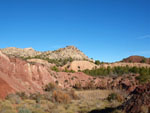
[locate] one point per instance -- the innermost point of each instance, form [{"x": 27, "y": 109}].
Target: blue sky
[{"x": 108, "y": 30}]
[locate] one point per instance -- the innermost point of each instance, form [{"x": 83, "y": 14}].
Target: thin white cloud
[{"x": 144, "y": 37}]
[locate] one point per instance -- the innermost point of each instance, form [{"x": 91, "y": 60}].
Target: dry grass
[
  {"x": 93, "y": 94},
  {"x": 65, "y": 102}
]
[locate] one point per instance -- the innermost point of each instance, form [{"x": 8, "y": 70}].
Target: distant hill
[
  {"x": 26, "y": 52},
  {"x": 69, "y": 52},
  {"x": 136, "y": 59}
]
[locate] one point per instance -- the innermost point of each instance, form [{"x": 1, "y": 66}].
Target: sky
[{"x": 107, "y": 30}]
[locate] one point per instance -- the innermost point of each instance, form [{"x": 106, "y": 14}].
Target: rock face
[
  {"x": 80, "y": 65},
  {"x": 22, "y": 76},
  {"x": 26, "y": 52},
  {"x": 5, "y": 88},
  {"x": 40, "y": 61},
  {"x": 137, "y": 59},
  {"x": 139, "y": 101},
  {"x": 123, "y": 64},
  {"x": 63, "y": 53}
]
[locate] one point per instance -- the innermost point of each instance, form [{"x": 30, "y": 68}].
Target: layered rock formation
[
  {"x": 23, "y": 76},
  {"x": 139, "y": 101}
]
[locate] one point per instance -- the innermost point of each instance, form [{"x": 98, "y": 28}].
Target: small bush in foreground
[
  {"x": 13, "y": 98},
  {"x": 22, "y": 95},
  {"x": 73, "y": 95},
  {"x": 60, "y": 97},
  {"x": 24, "y": 110},
  {"x": 115, "y": 96},
  {"x": 77, "y": 86},
  {"x": 50, "y": 87},
  {"x": 112, "y": 96}
]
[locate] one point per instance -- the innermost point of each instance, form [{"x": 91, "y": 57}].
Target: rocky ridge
[
  {"x": 65, "y": 53},
  {"x": 62, "y": 53},
  {"x": 26, "y": 52}
]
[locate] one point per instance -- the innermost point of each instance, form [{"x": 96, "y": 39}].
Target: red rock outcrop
[
  {"x": 23, "y": 76},
  {"x": 17, "y": 75},
  {"x": 139, "y": 101},
  {"x": 5, "y": 88}
]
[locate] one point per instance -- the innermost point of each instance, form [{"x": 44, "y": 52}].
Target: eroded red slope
[
  {"x": 5, "y": 88},
  {"x": 23, "y": 76}
]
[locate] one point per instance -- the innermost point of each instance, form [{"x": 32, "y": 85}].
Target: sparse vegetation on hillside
[
  {"x": 68, "y": 71},
  {"x": 59, "y": 57},
  {"x": 118, "y": 71},
  {"x": 58, "y": 62},
  {"x": 143, "y": 60}
]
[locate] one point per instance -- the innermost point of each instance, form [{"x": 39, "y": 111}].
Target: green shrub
[
  {"x": 24, "y": 110},
  {"x": 50, "y": 87},
  {"x": 143, "y": 78},
  {"x": 36, "y": 96},
  {"x": 143, "y": 60},
  {"x": 54, "y": 68},
  {"x": 97, "y": 62},
  {"x": 118, "y": 70},
  {"x": 112, "y": 96},
  {"x": 58, "y": 62},
  {"x": 13, "y": 98},
  {"x": 22, "y": 95},
  {"x": 69, "y": 71},
  {"x": 115, "y": 96},
  {"x": 37, "y": 110}
]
